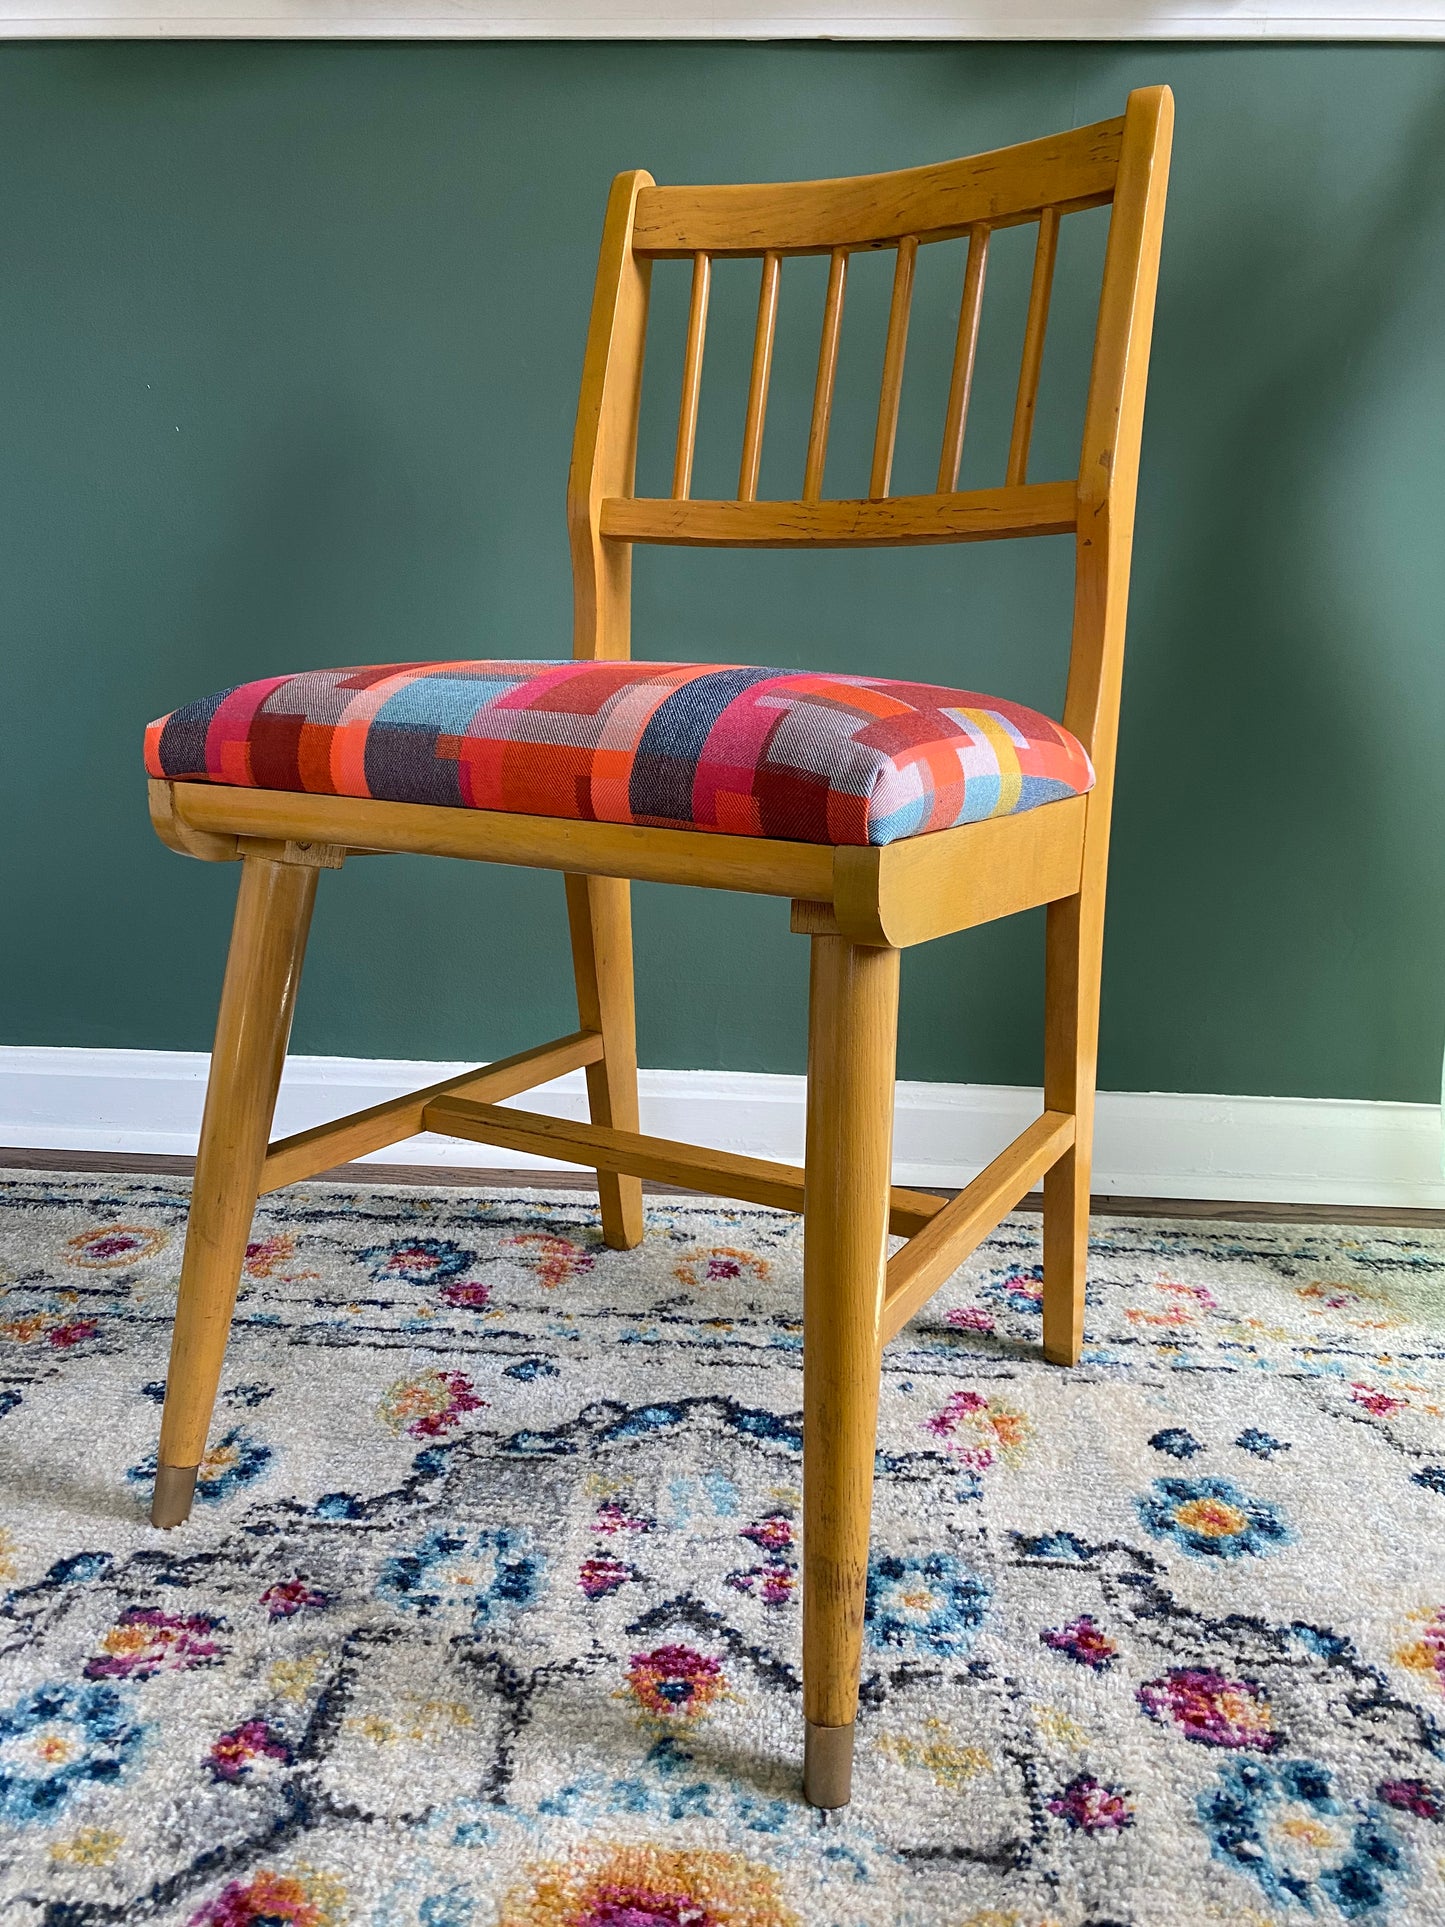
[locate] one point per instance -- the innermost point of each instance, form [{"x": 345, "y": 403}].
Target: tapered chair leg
[
  {"x": 852, "y": 1035},
  {"x": 1075, "y": 944},
  {"x": 599, "y": 912},
  {"x": 268, "y": 940}
]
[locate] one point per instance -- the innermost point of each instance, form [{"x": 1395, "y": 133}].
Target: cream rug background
[{"x": 487, "y": 1615}]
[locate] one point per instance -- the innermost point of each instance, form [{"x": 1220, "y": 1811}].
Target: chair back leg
[
  {"x": 599, "y": 913},
  {"x": 852, "y": 1037},
  {"x": 268, "y": 941},
  {"x": 1074, "y": 955}
]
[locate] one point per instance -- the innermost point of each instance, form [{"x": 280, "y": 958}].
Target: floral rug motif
[{"x": 487, "y": 1614}]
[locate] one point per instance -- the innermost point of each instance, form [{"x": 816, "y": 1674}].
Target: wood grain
[
  {"x": 1010, "y": 185},
  {"x": 599, "y": 917},
  {"x": 258, "y": 996},
  {"x": 691, "y": 377},
  {"x": 1108, "y": 481},
  {"x": 604, "y": 447},
  {"x": 852, "y": 1030},
  {"x": 693, "y": 1166},
  {"x": 917, "y": 1270},
  {"x": 697, "y": 857},
  {"x": 827, "y": 377},
  {"x": 924, "y": 887},
  {"x": 895, "y": 349},
  {"x": 965, "y": 354},
  {"x": 759, "y": 378},
  {"x": 1026, "y": 399},
  {"x": 305, "y": 1153},
  {"x": 982, "y": 515}
]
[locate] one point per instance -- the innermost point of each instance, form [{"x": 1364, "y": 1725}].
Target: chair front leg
[
  {"x": 852, "y": 1036},
  {"x": 599, "y": 912},
  {"x": 258, "y": 996}
]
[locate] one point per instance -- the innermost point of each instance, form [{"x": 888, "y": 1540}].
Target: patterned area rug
[{"x": 487, "y": 1615}]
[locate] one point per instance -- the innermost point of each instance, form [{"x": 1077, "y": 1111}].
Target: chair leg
[
  {"x": 599, "y": 911},
  {"x": 268, "y": 940},
  {"x": 1075, "y": 944},
  {"x": 852, "y": 1035}
]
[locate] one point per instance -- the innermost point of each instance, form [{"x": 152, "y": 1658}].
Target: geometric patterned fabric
[{"x": 809, "y": 757}]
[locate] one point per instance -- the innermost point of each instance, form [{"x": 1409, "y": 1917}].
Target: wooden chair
[{"x": 858, "y": 904}]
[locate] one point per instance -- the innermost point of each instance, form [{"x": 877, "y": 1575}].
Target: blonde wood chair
[{"x": 859, "y": 904}]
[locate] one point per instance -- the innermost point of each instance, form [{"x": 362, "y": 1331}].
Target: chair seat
[{"x": 794, "y": 754}]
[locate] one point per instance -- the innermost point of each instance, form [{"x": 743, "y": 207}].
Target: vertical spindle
[
  {"x": 827, "y": 376},
  {"x": 758, "y": 384},
  {"x": 691, "y": 377},
  {"x": 1033, "y": 355},
  {"x": 893, "y": 354},
  {"x": 970, "y": 314}
]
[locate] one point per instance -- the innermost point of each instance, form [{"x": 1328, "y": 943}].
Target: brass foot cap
[
  {"x": 827, "y": 1765},
  {"x": 174, "y": 1489}
]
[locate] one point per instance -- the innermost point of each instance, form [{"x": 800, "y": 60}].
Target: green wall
[{"x": 289, "y": 346}]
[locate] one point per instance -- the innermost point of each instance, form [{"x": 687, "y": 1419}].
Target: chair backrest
[{"x": 1124, "y": 162}]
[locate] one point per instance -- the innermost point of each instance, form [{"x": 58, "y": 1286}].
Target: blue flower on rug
[
  {"x": 1282, "y": 1824},
  {"x": 56, "y": 1739},
  {"x": 1213, "y": 1519},
  {"x": 1263, "y": 1445},
  {"x": 927, "y": 1602},
  {"x": 1178, "y": 1443},
  {"x": 236, "y": 1460},
  {"x": 1021, "y": 1290},
  {"x": 416, "y": 1261},
  {"x": 474, "y": 1577}
]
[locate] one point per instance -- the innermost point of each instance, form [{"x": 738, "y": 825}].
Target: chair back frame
[{"x": 1122, "y": 161}]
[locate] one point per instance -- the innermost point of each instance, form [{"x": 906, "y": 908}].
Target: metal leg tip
[
  {"x": 174, "y": 1489},
  {"x": 828, "y": 1767}
]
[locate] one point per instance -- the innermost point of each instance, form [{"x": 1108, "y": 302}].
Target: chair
[{"x": 292, "y": 775}]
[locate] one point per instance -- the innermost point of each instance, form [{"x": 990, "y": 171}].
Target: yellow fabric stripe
[{"x": 1010, "y": 776}]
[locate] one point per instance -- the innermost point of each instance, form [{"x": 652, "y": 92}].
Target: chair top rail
[{"x": 1005, "y": 188}]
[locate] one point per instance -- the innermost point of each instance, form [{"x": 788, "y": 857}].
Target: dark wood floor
[{"x": 433, "y": 1175}]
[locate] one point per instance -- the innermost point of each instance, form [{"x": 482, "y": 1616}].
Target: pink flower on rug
[
  {"x": 145, "y": 1641},
  {"x": 1413, "y": 1796},
  {"x": 265, "y": 1256},
  {"x": 675, "y": 1680},
  {"x": 232, "y": 1756},
  {"x": 971, "y": 1318},
  {"x": 429, "y": 1405},
  {"x": 773, "y": 1533},
  {"x": 1090, "y": 1807},
  {"x": 112, "y": 1245},
  {"x": 612, "y": 1517},
  {"x": 272, "y": 1899},
  {"x": 553, "y": 1259},
  {"x": 468, "y": 1295},
  {"x": 600, "y": 1575},
  {"x": 1377, "y": 1403},
  {"x": 64, "y": 1336},
  {"x": 1200, "y": 1294},
  {"x": 290, "y": 1596},
  {"x": 978, "y": 1430},
  {"x": 1216, "y": 1711},
  {"x": 773, "y": 1583},
  {"x": 1083, "y": 1641}
]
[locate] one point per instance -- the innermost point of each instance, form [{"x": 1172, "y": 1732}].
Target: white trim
[
  {"x": 727, "y": 20},
  {"x": 1278, "y": 1150}
]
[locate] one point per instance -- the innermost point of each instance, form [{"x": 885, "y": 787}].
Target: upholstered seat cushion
[{"x": 749, "y": 752}]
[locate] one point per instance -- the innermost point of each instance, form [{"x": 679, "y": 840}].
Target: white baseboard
[{"x": 1279, "y": 1150}]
